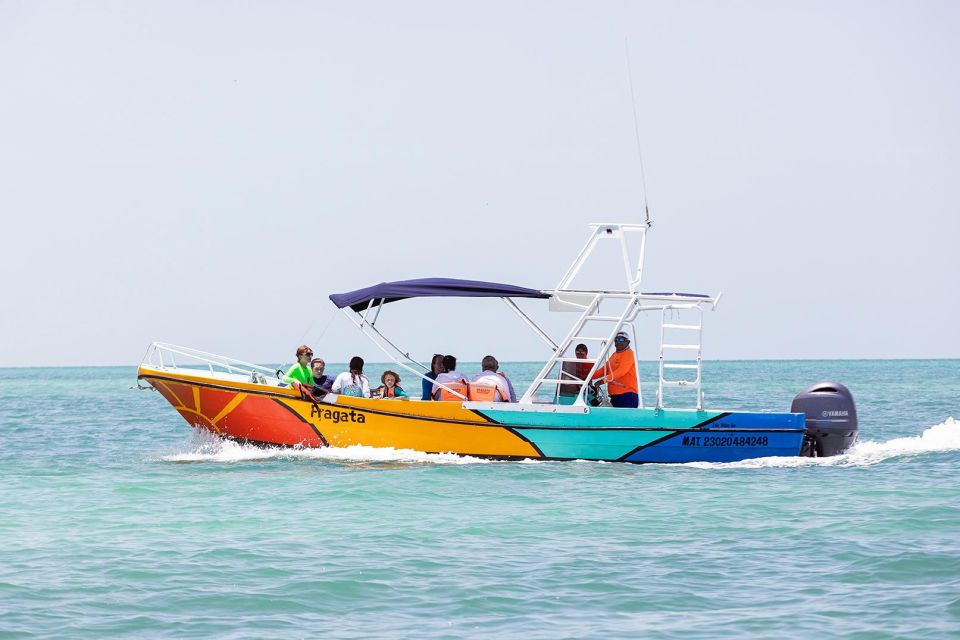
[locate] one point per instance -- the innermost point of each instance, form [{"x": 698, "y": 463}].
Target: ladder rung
[
  {"x": 570, "y": 381},
  {"x": 679, "y": 383},
  {"x": 574, "y": 360},
  {"x": 604, "y": 318},
  {"x": 604, "y": 338},
  {"x": 680, "y": 346},
  {"x": 681, "y": 366},
  {"x": 694, "y": 327}
]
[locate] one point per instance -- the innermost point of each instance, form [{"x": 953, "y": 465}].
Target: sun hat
[{"x": 622, "y": 334}]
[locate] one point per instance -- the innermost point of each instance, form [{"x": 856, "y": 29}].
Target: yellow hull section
[{"x": 274, "y": 415}]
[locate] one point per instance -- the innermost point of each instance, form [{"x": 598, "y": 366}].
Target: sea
[{"x": 117, "y": 519}]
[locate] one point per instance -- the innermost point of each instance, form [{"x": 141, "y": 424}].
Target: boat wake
[
  {"x": 941, "y": 437},
  {"x": 213, "y": 449},
  {"x": 207, "y": 448}
]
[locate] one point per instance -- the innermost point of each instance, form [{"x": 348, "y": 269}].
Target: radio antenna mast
[{"x": 636, "y": 130}]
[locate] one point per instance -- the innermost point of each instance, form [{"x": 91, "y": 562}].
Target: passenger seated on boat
[
  {"x": 436, "y": 368},
  {"x": 390, "y": 387},
  {"x": 445, "y": 395},
  {"x": 567, "y": 393},
  {"x": 491, "y": 378},
  {"x": 451, "y": 375},
  {"x": 485, "y": 393},
  {"x": 352, "y": 383},
  {"x": 321, "y": 381},
  {"x": 300, "y": 373}
]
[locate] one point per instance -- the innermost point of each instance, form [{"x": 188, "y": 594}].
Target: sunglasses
[
  {"x": 308, "y": 354},
  {"x": 619, "y": 339}
]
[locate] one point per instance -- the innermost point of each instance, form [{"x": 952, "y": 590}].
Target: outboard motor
[{"x": 831, "y": 419}]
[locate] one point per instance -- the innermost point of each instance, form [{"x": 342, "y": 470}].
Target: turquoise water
[{"x": 117, "y": 520}]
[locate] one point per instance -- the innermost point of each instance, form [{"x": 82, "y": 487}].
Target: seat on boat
[
  {"x": 445, "y": 396},
  {"x": 486, "y": 393}
]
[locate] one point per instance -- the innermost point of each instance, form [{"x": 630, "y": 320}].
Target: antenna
[{"x": 636, "y": 130}]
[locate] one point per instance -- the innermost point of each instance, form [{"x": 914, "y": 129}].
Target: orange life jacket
[
  {"x": 486, "y": 393},
  {"x": 444, "y": 395}
]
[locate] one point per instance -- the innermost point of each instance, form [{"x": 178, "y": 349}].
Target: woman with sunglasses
[{"x": 300, "y": 373}]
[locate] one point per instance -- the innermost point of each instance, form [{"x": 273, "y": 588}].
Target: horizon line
[{"x": 372, "y": 362}]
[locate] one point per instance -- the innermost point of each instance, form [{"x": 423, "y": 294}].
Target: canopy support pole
[
  {"x": 362, "y": 324},
  {"x": 533, "y": 325},
  {"x": 376, "y": 314}
]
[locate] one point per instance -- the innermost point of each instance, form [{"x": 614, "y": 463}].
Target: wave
[
  {"x": 941, "y": 437},
  {"x": 213, "y": 449}
]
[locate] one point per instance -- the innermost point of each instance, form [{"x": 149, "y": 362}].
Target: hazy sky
[{"x": 206, "y": 173}]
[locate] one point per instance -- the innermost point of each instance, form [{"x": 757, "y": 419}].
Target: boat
[{"x": 250, "y": 403}]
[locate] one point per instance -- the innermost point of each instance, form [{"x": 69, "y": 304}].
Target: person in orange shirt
[{"x": 619, "y": 373}]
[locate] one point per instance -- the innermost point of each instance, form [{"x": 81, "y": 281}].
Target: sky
[{"x": 207, "y": 173}]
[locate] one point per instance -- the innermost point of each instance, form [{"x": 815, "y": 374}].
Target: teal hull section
[
  {"x": 589, "y": 444},
  {"x": 648, "y": 435}
]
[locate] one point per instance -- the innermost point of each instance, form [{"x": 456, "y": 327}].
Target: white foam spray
[
  {"x": 213, "y": 449},
  {"x": 941, "y": 437}
]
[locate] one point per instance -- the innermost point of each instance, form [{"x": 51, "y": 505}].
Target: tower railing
[{"x": 588, "y": 304}]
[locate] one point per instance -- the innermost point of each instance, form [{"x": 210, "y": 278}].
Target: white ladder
[
  {"x": 677, "y": 348},
  {"x": 589, "y": 317}
]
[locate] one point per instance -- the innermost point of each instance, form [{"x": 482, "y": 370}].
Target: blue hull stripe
[{"x": 729, "y": 446}]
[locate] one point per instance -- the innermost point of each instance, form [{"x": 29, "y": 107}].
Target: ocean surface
[{"x": 117, "y": 519}]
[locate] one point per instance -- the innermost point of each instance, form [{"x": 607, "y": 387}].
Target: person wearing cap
[{"x": 619, "y": 373}]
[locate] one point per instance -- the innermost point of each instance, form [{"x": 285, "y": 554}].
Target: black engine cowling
[{"x": 831, "y": 419}]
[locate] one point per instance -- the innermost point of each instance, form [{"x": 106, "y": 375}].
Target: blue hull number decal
[{"x": 725, "y": 441}]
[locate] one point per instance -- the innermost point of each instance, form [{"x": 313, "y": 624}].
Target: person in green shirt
[{"x": 300, "y": 373}]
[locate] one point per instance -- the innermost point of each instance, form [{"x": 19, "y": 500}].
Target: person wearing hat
[{"x": 619, "y": 373}]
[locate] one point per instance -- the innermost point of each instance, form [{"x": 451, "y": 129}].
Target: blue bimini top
[{"x": 430, "y": 288}]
